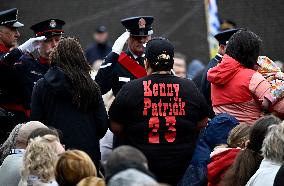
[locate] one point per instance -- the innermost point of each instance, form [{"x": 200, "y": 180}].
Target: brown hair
[
  {"x": 91, "y": 181},
  {"x": 73, "y": 166},
  {"x": 238, "y": 135},
  {"x": 69, "y": 56},
  {"x": 248, "y": 160}
]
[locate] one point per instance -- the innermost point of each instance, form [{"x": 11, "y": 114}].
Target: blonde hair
[
  {"x": 91, "y": 181},
  {"x": 238, "y": 135},
  {"x": 73, "y": 166},
  {"x": 40, "y": 158}
]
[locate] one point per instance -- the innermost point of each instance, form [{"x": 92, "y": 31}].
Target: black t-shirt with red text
[{"x": 159, "y": 114}]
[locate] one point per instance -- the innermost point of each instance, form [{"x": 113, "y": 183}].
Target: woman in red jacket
[{"x": 236, "y": 88}]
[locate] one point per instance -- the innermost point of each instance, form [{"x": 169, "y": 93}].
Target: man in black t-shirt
[{"x": 160, "y": 114}]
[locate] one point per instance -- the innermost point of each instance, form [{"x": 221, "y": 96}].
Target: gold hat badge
[{"x": 142, "y": 23}]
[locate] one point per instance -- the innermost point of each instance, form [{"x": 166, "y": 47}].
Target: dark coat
[
  {"x": 111, "y": 74},
  {"x": 52, "y": 105},
  {"x": 97, "y": 51},
  {"x": 206, "y": 85},
  {"x": 215, "y": 133},
  {"x": 11, "y": 87},
  {"x": 30, "y": 70}
]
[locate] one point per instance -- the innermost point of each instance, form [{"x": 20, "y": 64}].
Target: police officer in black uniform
[
  {"x": 32, "y": 66},
  {"x": 120, "y": 67},
  {"x": 11, "y": 99},
  {"x": 222, "y": 37}
]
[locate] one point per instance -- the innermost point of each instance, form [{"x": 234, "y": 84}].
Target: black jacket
[
  {"x": 113, "y": 75},
  {"x": 52, "y": 105},
  {"x": 30, "y": 70},
  {"x": 206, "y": 85},
  {"x": 11, "y": 87},
  {"x": 97, "y": 51}
]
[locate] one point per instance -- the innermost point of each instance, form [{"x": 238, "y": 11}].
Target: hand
[
  {"x": 31, "y": 45},
  {"x": 119, "y": 43}
]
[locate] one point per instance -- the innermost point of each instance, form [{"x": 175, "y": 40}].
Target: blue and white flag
[{"x": 213, "y": 25}]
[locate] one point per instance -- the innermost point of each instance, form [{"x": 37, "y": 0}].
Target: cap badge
[
  {"x": 164, "y": 56},
  {"x": 142, "y": 23},
  {"x": 52, "y": 24}
]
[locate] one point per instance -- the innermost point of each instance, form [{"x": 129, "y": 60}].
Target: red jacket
[
  {"x": 230, "y": 82},
  {"x": 237, "y": 90},
  {"x": 220, "y": 164}
]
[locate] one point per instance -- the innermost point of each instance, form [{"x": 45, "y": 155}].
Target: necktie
[{"x": 140, "y": 60}]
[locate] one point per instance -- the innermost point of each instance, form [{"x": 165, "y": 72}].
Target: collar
[
  {"x": 32, "y": 179},
  {"x": 218, "y": 57},
  {"x": 17, "y": 151},
  {"x": 162, "y": 72},
  {"x": 4, "y": 48},
  {"x": 134, "y": 55}
]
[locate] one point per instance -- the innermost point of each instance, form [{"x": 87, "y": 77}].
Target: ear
[
  {"x": 247, "y": 143},
  {"x": 147, "y": 67},
  {"x": 222, "y": 49}
]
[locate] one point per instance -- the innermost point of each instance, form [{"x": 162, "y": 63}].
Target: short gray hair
[{"x": 273, "y": 144}]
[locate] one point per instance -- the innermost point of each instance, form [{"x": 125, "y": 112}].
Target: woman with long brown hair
[{"x": 68, "y": 99}]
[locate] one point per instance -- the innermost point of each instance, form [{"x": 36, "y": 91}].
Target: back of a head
[
  {"x": 159, "y": 53},
  {"x": 248, "y": 160},
  {"x": 27, "y": 129},
  {"x": 91, "y": 181},
  {"x": 244, "y": 46},
  {"x": 42, "y": 132},
  {"x": 40, "y": 158},
  {"x": 69, "y": 56},
  {"x": 273, "y": 144},
  {"x": 259, "y": 131},
  {"x": 239, "y": 135},
  {"x": 19, "y": 136},
  {"x": 124, "y": 157},
  {"x": 73, "y": 166},
  {"x": 131, "y": 177}
]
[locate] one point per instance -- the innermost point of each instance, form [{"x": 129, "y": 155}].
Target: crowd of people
[{"x": 106, "y": 116}]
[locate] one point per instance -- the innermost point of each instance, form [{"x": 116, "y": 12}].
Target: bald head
[{"x": 25, "y": 131}]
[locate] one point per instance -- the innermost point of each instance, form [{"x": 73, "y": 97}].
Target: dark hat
[
  {"x": 218, "y": 129},
  {"x": 48, "y": 28},
  {"x": 101, "y": 29},
  {"x": 10, "y": 18},
  {"x": 139, "y": 26},
  {"x": 160, "y": 54},
  {"x": 224, "y": 36}
]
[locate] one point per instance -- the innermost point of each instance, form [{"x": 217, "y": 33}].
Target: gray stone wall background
[
  {"x": 181, "y": 21},
  {"x": 265, "y": 18}
]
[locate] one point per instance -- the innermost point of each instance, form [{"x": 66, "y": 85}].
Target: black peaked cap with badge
[
  {"x": 48, "y": 28},
  {"x": 139, "y": 26},
  {"x": 224, "y": 36},
  {"x": 9, "y": 18}
]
